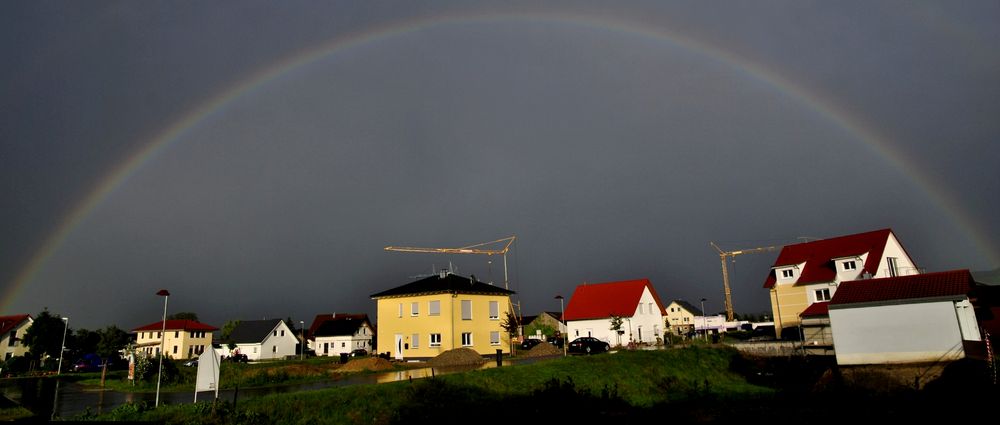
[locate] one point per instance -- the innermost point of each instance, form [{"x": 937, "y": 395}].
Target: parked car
[
  {"x": 558, "y": 341},
  {"x": 360, "y": 352},
  {"x": 529, "y": 343},
  {"x": 237, "y": 358},
  {"x": 191, "y": 363},
  {"x": 587, "y": 344},
  {"x": 89, "y": 363}
]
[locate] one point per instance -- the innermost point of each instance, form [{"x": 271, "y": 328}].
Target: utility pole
[{"x": 726, "y": 255}]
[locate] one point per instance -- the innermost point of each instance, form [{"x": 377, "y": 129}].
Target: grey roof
[
  {"x": 687, "y": 306},
  {"x": 252, "y": 331},
  {"x": 340, "y": 326},
  {"x": 450, "y": 283}
]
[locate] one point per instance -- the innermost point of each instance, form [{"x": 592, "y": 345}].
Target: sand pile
[
  {"x": 542, "y": 350},
  {"x": 457, "y": 357},
  {"x": 368, "y": 363}
]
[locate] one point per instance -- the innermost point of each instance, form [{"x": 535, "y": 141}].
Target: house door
[
  {"x": 326, "y": 348},
  {"x": 398, "y": 352}
]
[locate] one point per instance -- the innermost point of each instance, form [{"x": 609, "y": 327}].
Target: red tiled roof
[
  {"x": 175, "y": 325},
  {"x": 818, "y": 256},
  {"x": 929, "y": 285},
  {"x": 816, "y": 309},
  {"x": 601, "y": 300},
  {"x": 10, "y": 322}
]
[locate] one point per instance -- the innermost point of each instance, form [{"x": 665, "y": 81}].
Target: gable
[{"x": 253, "y": 331}]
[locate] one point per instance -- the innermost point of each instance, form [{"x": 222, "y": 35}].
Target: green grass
[
  {"x": 13, "y": 413},
  {"x": 624, "y": 380}
]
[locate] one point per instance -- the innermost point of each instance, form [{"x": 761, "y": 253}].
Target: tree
[
  {"x": 184, "y": 315},
  {"x": 112, "y": 340},
  {"x": 227, "y": 329},
  {"x": 83, "y": 342},
  {"x": 510, "y": 325},
  {"x": 44, "y": 337},
  {"x": 616, "y": 325}
]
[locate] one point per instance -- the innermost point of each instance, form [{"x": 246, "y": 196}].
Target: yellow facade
[
  {"x": 178, "y": 344},
  {"x": 787, "y": 302},
  {"x": 424, "y": 325}
]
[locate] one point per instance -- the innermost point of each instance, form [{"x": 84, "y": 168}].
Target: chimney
[
  {"x": 472, "y": 279},
  {"x": 443, "y": 273}
]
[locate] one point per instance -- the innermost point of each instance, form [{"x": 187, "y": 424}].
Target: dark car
[
  {"x": 89, "y": 363},
  {"x": 237, "y": 358},
  {"x": 360, "y": 352},
  {"x": 587, "y": 344},
  {"x": 191, "y": 363},
  {"x": 529, "y": 343}
]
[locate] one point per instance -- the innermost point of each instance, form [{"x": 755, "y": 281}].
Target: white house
[
  {"x": 904, "y": 319},
  {"x": 333, "y": 334},
  {"x": 592, "y": 305},
  {"x": 810, "y": 272},
  {"x": 263, "y": 339},
  {"x": 12, "y": 329}
]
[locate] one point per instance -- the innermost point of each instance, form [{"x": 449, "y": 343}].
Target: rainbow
[{"x": 212, "y": 106}]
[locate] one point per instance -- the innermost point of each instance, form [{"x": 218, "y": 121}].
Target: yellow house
[
  {"x": 681, "y": 317},
  {"x": 183, "y": 339},
  {"x": 808, "y": 273},
  {"x": 422, "y": 319}
]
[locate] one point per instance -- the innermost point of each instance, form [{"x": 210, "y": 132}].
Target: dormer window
[
  {"x": 850, "y": 265},
  {"x": 787, "y": 273}
]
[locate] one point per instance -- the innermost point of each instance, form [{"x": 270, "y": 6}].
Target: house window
[
  {"x": 13, "y": 339},
  {"x": 415, "y": 341},
  {"x": 400, "y": 309},
  {"x": 282, "y": 332},
  {"x": 177, "y": 334},
  {"x": 466, "y": 339},
  {"x": 577, "y": 333},
  {"x": 893, "y": 267},
  {"x": 414, "y": 309},
  {"x": 175, "y": 349},
  {"x": 435, "y": 340},
  {"x": 495, "y": 338},
  {"x": 8, "y": 356},
  {"x": 640, "y": 308},
  {"x": 850, "y": 265},
  {"x": 343, "y": 344},
  {"x": 275, "y": 332},
  {"x": 434, "y": 308},
  {"x": 650, "y": 308},
  {"x": 466, "y": 309},
  {"x": 787, "y": 273},
  {"x": 494, "y": 310},
  {"x": 823, "y": 295},
  {"x": 274, "y": 348}
]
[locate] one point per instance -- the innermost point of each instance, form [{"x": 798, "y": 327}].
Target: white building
[
  {"x": 592, "y": 305},
  {"x": 333, "y": 334},
  {"x": 263, "y": 340},
  {"x": 919, "y": 318}
]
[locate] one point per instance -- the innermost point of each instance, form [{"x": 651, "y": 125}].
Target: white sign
[{"x": 208, "y": 373}]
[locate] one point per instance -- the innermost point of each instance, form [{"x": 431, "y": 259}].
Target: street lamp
[
  {"x": 302, "y": 340},
  {"x": 562, "y": 318},
  {"x": 704, "y": 320},
  {"x": 163, "y": 334},
  {"x": 62, "y": 347}
]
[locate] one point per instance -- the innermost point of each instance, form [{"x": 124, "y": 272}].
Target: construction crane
[
  {"x": 471, "y": 249},
  {"x": 725, "y": 255},
  {"x": 475, "y": 249}
]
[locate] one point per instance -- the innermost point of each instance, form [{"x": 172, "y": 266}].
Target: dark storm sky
[{"x": 614, "y": 139}]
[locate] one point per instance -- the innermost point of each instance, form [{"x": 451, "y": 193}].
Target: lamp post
[
  {"x": 562, "y": 318},
  {"x": 62, "y": 347},
  {"x": 704, "y": 321},
  {"x": 302, "y": 340},
  {"x": 163, "y": 334}
]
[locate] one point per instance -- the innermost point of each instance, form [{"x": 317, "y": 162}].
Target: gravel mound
[
  {"x": 542, "y": 350},
  {"x": 369, "y": 363},
  {"x": 457, "y": 357}
]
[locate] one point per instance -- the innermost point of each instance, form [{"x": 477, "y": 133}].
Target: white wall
[
  {"x": 897, "y": 333},
  {"x": 904, "y": 264}
]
